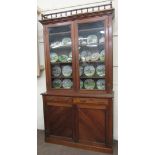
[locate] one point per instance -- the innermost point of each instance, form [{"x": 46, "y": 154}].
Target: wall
[{"x": 52, "y": 4}]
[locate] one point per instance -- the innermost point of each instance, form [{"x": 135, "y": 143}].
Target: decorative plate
[
  {"x": 83, "y": 55},
  {"x": 56, "y": 71},
  {"x": 81, "y": 84},
  {"x": 92, "y": 39},
  {"x": 95, "y": 56},
  {"x": 67, "y": 70},
  {"x": 56, "y": 44},
  {"x": 53, "y": 57},
  {"x": 89, "y": 70},
  {"x": 63, "y": 58},
  {"x": 88, "y": 57},
  {"x": 67, "y": 83},
  {"x": 100, "y": 70},
  {"x": 102, "y": 55},
  {"x": 89, "y": 84},
  {"x": 57, "y": 83},
  {"x": 82, "y": 40},
  {"x": 81, "y": 70},
  {"x": 70, "y": 57},
  {"x": 100, "y": 84},
  {"x": 102, "y": 40},
  {"x": 66, "y": 41}
]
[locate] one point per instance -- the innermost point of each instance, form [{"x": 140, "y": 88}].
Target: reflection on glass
[
  {"x": 92, "y": 55},
  {"x": 61, "y": 57}
]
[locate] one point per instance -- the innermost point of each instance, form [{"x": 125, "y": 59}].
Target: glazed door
[
  {"x": 92, "y": 54},
  {"x": 60, "y": 57}
]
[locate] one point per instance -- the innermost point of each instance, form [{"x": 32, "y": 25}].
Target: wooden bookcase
[{"x": 79, "y": 112}]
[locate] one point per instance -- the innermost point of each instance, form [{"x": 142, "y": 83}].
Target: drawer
[
  {"x": 90, "y": 100},
  {"x": 57, "y": 99}
]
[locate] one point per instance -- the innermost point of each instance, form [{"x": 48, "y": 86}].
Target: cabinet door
[
  {"x": 59, "y": 56},
  {"x": 92, "y": 54},
  {"x": 94, "y": 122},
  {"x": 59, "y": 118}
]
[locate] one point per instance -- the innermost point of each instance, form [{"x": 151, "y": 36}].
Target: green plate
[
  {"x": 102, "y": 55},
  {"x": 100, "y": 84},
  {"x": 89, "y": 70},
  {"x": 66, "y": 41},
  {"x": 57, "y": 83},
  {"x": 63, "y": 58},
  {"x": 53, "y": 57},
  {"x": 67, "y": 83},
  {"x": 100, "y": 70},
  {"x": 89, "y": 84}
]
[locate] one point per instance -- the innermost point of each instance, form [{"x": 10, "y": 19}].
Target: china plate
[
  {"x": 100, "y": 84},
  {"x": 67, "y": 70},
  {"x": 92, "y": 39},
  {"x": 53, "y": 57},
  {"x": 95, "y": 56},
  {"x": 89, "y": 84},
  {"x": 63, "y": 58},
  {"x": 102, "y": 55},
  {"x": 66, "y": 41},
  {"x": 89, "y": 70},
  {"x": 67, "y": 83},
  {"x": 100, "y": 70},
  {"x": 57, "y": 83},
  {"x": 56, "y": 71},
  {"x": 83, "y": 55}
]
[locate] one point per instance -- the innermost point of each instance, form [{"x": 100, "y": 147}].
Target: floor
[{"x": 53, "y": 149}]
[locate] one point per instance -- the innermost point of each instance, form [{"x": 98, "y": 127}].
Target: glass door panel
[
  {"x": 60, "y": 43},
  {"x": 91, "y": 55}
]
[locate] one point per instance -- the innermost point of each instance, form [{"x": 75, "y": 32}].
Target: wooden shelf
[
  {"x": 61, "y": 47},
  {"x": 94, "y": 77},
  {"x": 62, "y": 77},
  {"x": 60, "y": 33},
  {"x": 98, "y": 61},
  {"x": 55, "y": 63},
  {"x": 92, "y": 30}
]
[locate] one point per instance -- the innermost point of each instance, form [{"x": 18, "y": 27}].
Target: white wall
[{"x": 53, "y": 4}]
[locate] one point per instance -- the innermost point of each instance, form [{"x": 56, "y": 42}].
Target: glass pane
[
  {"x": 92, "y": 55},
  {"x": 61, "y": 57}
]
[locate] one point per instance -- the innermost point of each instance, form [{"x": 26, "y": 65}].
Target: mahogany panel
[
  {"x": 59, "y": 119},
  {"x": 92, "y": 125}
]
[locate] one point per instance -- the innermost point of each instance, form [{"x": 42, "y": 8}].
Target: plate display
[
  {"x": 92, "y": 39},
  {"x": 67, "y": 83},
  {"x": 57, "y": 83},
  {"x": 53, "y": 57},
  {"x": 63, "y": 58},
  {"x": 89, "y": 84},
  {"x": 81, "y": 70},
  {"x": 88, "y": 56},
  {"x": 83, "y": 55},
  {"x": 102, "y": 55},
  {"x": 81, "y": 84},
  {"x": 100, "y": 84},
  {"x": 67, "y": 70},
  {"x": 89, "y": 70},
  {"x": 95, "y": 56},
  {"x": 56, "y": 71},
  {"x": 66, "y": 41},
  {"x": 100, "y": 70}
]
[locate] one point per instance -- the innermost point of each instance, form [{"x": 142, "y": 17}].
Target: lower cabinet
[{"x": 83, "y": 122}]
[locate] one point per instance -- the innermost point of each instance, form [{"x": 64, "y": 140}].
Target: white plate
[
  {"x": 92, "y": 39},
  {"x": 67, "y": 83},
  {"x": 53, "y": 57},
  {"x": 100, "y": 70},
  {"x": 100, "y": 84},
  {"x": 67, "y": 70}
]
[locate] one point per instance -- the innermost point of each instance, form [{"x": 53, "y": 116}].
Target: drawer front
[
  {"x": 57, "y": 99},
  {"x": 90, "y": 100}
]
